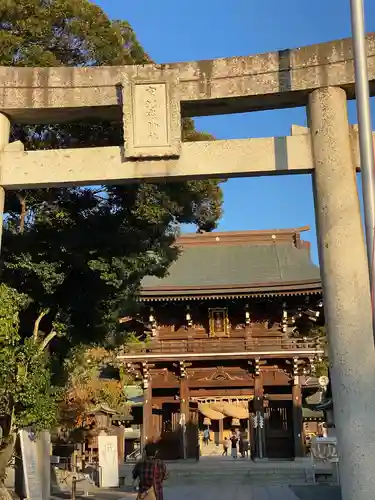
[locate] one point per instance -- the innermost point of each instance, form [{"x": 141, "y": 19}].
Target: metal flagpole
[{"x": 365, "y": 132}]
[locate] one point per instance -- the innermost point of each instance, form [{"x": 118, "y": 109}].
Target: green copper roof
[
  {"x": 134, "y": 395},
  {"x": 243, "y": 267}
]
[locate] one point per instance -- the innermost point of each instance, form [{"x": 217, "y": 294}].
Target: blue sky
[{"x": 172, "y": 31}]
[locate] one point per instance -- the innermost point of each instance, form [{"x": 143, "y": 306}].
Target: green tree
[
  {"x": 73, "y": 258},
  {"x": 319, "y": 333},
  {"x": 26, "y": 396},
  {"x": 78, "y": 252},
  {"x": 322, "y": 364}
]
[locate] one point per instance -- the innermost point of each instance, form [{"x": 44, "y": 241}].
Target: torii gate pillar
[
  {"x": 4, "y": 141},
  {"x": 346, "y": 290}
]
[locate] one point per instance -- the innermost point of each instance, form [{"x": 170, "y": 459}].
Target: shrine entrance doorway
[{"x": 278, "y": 422}]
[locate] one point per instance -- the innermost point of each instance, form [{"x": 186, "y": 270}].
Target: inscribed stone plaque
[
  {"x": 152, "y": 123},
  {"x": 108, "y": 461},
  {"x": 31, "y": 469}
]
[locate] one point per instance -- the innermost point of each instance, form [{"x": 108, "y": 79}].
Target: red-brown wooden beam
[
  {"x": 299, "y": 450},
  {"x": 184, "y": 412},
  {"x": 258, "y": 436},
  {"x": 147, "y": 427},
  {"x": 160, "y": 384},
  {"x": 201, "y": 393}
]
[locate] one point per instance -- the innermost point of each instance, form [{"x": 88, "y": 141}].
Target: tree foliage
[
  {"x": 94, "y": 378},
  {"x": 64, "y": 32},
  {"x": 322, "y": 365},
  {"x": 318, "y": 332},
  {"x": 26, "y": 396},
  {"x": 81, "y": 253}
]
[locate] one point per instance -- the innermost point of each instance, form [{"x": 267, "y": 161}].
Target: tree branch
[
  {"x": 37, "y": 323},
  {"x": 23, "y": 213},
  {"x": 47, "y": 340}
]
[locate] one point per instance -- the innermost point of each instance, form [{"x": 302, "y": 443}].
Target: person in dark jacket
[
  {"x": 151, "y": 472},
  {"x": 234, "y": 441}
]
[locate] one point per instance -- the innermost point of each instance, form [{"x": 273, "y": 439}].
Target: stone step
[
  {"x": 225, "y": 479},
  {"x": 218, "y": 476},
  {"x": 228, "y": 471},
  {"x": 227, "y": 464}
]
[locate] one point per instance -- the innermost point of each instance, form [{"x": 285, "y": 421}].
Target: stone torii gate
[{"x": 150, "y": 100}]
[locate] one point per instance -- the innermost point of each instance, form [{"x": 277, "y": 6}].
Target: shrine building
[{"x": 226, "y": 342}]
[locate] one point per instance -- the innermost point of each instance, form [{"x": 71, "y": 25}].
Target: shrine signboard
[
  {"x": 31, "y": 470},
  {"x": 108, "y": 461}
]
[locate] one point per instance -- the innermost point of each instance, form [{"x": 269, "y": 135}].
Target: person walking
[
  {"x": 225, "y": 447},
  {"x": 206, "y": 436},
  {"x": 240, "y": 445},
  {"x": 234, "y": 441},
  {"x": 151, "y": 472},
  {"x": 245, "y": 447}
]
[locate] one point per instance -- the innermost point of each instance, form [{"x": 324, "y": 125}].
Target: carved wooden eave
[
  {"x": 101, "y": 408},
  {"x": 220, "y": 374},
  {"x": 160, "y": 373},
  {"x": 125, "y": 319},
  {"x": 229, "y": 399},
  {"x": 130, "y": 319},
  {"x": 310, "y": 381},
  {"x": 226, "y": 296}
]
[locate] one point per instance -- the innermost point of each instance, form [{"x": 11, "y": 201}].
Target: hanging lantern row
[
  {"x": 295, "y": 367},
  {"x": 182, "y": 369},
  {"x": 288, "y": 322},
  {"x": 285, "y": 319},
  {"x": 247, "y": 315},
  {"x": 188, "y": 317},
  {"x": 257, "y": 368},
  {"x": 230, "y": 400},
  {"x": 151, "y": 319},
  {"x": 312, "y": 365},
  {"x": 146, "y": 375}
]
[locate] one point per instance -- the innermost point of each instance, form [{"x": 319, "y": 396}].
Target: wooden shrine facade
[{"x": 225, "y": 342}]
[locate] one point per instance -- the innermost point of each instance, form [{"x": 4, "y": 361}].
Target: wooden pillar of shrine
[
  {"x": 147, "y": 427},
  {"x": 184, "y": 413},
  {"x": 221, "y": 432},
  {"x": 258, "y": 421},
  {"x": 299, "y": 449},
  {"x": 120, "y": 433}
]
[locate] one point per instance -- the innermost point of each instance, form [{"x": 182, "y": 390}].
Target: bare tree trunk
[
  {"x": 6, "y": 453},
  {"x": 4, "y": 493},
  {"x": 23, "y": 213},
  {"x": 37, "y": 323}
]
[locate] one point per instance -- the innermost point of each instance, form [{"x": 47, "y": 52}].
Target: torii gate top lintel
[
  {"x": 150, "y": 100},
  {"x": 248, "y": 83}
]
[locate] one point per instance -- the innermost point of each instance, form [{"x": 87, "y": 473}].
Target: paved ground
[{"x": 234, "y": 492}]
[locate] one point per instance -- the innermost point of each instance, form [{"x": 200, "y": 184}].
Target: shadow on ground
[
  {"x": 308, "y": 492},
  {"x": 317, "y": 492}
]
